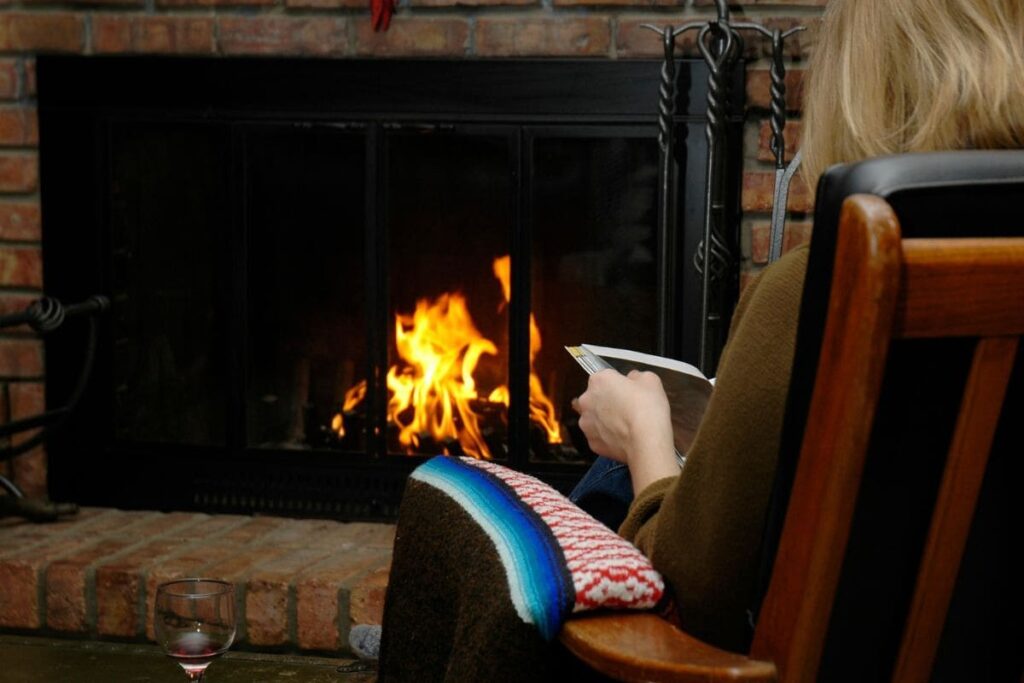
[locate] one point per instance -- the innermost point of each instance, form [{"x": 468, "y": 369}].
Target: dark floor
[{"x": 44, "y": 660}]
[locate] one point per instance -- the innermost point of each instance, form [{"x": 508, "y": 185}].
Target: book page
[{"x": 647, "y": 359}]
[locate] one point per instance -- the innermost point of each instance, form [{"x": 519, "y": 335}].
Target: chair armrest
[{"x": 641, "y": 646}]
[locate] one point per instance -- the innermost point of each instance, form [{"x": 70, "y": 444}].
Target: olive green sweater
[{"x": 703, "y": 528}]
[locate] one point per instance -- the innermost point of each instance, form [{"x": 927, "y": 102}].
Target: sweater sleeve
[{"x": 702, "y": 529}]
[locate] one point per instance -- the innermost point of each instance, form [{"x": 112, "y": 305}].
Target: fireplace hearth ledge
[{"x": 301, "y": 583}]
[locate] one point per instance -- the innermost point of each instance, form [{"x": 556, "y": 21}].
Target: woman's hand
[{"x": 626, "y": 418}]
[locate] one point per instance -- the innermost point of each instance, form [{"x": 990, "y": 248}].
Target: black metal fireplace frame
[{"x": 78, "y": 94}]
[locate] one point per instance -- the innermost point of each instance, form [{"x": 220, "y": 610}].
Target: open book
[{"x": 687, "y": 389}]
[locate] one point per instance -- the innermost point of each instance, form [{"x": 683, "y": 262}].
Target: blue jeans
[{"x": 605, "y": 492}]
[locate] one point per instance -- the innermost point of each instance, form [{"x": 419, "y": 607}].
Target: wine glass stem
[{"x": 196, "y": 676}]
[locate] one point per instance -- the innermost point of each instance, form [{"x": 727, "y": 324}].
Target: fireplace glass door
[
  {"x": 305, "y": 283},
  {"x": 449, "y": 201},
  {"x": 317, "y": 282}
]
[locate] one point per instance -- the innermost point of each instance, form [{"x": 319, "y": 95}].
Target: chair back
[
  {"x": 913, "y": 366},
  {"x": 936, "y": 194}
]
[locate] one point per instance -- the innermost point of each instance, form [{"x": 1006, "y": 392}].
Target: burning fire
[{"x": 432, "y": 390}]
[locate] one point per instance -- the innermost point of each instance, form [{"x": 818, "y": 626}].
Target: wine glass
[{"x": 194, "y": 622}]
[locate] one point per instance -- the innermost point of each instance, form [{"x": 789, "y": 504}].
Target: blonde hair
[{"x": 891, "y": 76}]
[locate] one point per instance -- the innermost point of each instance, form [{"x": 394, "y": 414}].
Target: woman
[{"x": 887, "y": 77}]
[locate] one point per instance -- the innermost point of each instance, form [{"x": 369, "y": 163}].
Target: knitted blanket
[{"x": 488, "y": 563}]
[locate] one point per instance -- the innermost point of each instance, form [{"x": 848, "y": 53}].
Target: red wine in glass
[{"x": 194, "y": 621}]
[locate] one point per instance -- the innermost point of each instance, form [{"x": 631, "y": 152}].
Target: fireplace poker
[
  {"x": 783, "y": 174},
  {"x": 667, "y": 170},
  {"x": 713, "y": 253}
]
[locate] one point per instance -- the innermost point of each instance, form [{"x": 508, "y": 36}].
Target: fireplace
[{"x": 323, "y": 272}]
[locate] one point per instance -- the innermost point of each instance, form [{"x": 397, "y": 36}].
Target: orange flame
[
  {"x": 433, "y": 391},
  {"x": 353, "y": 397},
  {"x": 542, "y": 411},
  {"x": 442, "y": 346}
]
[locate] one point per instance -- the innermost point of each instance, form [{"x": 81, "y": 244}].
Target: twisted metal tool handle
[
  {"x": 666, "y": 171},
  {"x": 778, "y": 144},
  {"x": 778, "y": 101}
]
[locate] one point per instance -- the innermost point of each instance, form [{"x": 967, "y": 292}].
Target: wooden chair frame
[{"x": 884, "y": 288}]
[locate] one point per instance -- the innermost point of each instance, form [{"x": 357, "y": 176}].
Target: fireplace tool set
[
  {"x": 720, "y": 43},
  {"x": 44, "y": 316}
]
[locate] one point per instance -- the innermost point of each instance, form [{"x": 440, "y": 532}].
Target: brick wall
[{"x": 608, "y": 29}]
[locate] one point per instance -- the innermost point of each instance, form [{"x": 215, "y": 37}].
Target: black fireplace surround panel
[{"x": 265, "y": 229}]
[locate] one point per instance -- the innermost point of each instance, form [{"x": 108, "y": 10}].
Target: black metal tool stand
[
  {"x": 720, "y": 44},
  {"x": 44, "y": 316}
]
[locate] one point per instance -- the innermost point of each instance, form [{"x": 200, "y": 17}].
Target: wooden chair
[{"x": 885, "y": 289}]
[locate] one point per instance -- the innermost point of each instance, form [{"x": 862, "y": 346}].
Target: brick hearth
[{"x": 300, "y": 584}]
